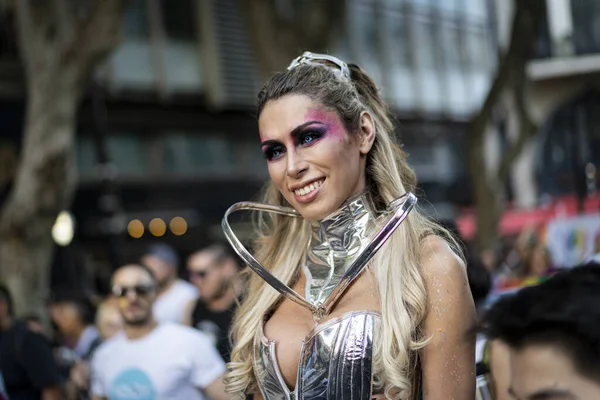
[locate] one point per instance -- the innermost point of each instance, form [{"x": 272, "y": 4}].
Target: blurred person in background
[
  {"x": 550, "y": 335},
  {"x": 595, "y": 257},
  {"x": 34, "y": 322},
  {"x": 153, "y": 360},
  {"x": 480, "y": 282},
  {"x": 214, "y": 271},
  {"x": 108, "y": 323},
  {"x": 532, "y": 267},
  {"x": 108, "y": 319},
  {"x": 27, "y": 362},
  {"x": 174, "y": 294},
  {"x": 74, "y": 315}
]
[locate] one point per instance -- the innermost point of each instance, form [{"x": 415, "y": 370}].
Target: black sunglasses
[
  {"x": 199, "y": 274},
  {"x": 139, "y": 290}
]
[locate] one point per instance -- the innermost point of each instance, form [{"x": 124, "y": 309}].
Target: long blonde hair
[{"x": 395, "y": 267}]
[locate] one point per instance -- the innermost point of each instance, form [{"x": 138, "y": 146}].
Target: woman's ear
[{"x": 367, "y": 132}]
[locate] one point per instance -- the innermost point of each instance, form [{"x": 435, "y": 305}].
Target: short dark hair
[
  {"x": 480, "y": 279},
  {"x": 561, "y": 311},
  {"x": 139, "y": 266},
  {"x": 7, "y": 298},
  {"x": 222, "y": 253},
  {"x": 82, "y": 303},
  {"x": 32, "y": 318}
]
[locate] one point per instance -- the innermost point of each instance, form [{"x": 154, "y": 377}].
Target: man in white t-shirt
[
  {"x": 152, "y": 361},
  {"x": 173, "y": 294}
]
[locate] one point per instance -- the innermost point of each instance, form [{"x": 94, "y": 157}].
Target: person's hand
[{"x": 80, "y": 375}]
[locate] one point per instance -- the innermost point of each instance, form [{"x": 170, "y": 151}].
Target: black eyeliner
[{"x": 318, "y": 133}]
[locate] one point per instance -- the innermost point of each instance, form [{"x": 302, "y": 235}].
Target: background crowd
[{"x": 56, "y": 363}]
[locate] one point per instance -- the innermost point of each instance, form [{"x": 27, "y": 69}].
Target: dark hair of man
[
  {"x": 480, "y": 280},
  {"x": 221, "y": 253},
  {"x": 561, "y": 312},
  {"x": 82, "y": 303},
  {"x": 138, "y": 266},
  {"x": 7, "y": 298}
]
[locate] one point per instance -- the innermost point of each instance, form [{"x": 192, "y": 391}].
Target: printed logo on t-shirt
[{"x": 132, "y": 384}]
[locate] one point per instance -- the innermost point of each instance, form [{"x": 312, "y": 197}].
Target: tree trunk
[
  {"x": 278, "y": 39},
  {"x": 488, "y": 188},
  {"x": 59, "y": 49},
  {"x": 45, "y": 185},
  {"x": 487, "y": 194}
]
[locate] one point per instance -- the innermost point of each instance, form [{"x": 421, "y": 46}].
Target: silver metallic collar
[
  {"x": 340, "y": 247},
  {"x": 335, "y": 243}
]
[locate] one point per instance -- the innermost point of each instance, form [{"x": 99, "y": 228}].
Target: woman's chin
[{"x": 314, "y": 211}]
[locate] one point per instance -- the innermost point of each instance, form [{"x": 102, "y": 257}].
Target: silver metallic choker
[{"x": 340, "y": 247}]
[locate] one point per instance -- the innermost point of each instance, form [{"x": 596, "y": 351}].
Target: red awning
[{"x": 513, "y": 220}]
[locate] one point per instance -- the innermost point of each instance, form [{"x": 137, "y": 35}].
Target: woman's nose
[{"x": 296, "y": 164}]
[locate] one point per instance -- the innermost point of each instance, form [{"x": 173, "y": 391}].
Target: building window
[
  {"x": 181, "y": 51},
  {"x": 569, "y": 142},
  {"x": 248, "y": 157},
  {"x": 86, "y": 156},
  {"x": 401, "y": 68},
  {"x": 586, "y": 26},
  {"x": 364, "y": 33},
  {"x": 160, "y": 50},
  {"x": 131, "y": 64},
  {"x": 128, "y": 153},
  {"x": 193, "y": 154},
  {"x": 427, "y": 63}
]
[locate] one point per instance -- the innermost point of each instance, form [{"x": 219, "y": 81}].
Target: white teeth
[{"x": 308, "y": 188}]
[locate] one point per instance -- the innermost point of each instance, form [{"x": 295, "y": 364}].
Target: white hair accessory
[{"x": 309, "y": 58}]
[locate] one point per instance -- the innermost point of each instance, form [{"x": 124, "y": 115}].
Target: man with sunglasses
[
  {"x": 214, "y": 271},
  {"x": 150, "y": 360}
]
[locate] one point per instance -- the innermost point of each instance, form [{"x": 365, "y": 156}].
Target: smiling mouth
[{"x": 309, "y": 188}]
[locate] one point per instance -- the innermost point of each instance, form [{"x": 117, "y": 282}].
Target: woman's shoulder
[
  {"x": 439, "y": 262},
  {"x": 435, "y": 251}
]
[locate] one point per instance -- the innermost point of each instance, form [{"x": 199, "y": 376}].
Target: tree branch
[
  {"x": 319, "y": 24},
  {"x": 511, "y": 75},
  {"x": 64, "y": 21},
  {"x": 28, "y": 40},
  {"x": 95, "y": 36},
  {"x": 525, "y": 26},
  {"x": 527, "y": 127},
  {"x": 278, "y": 40}
]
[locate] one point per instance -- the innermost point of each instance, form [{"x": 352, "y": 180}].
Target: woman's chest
[{"x": 290, "y": 325}]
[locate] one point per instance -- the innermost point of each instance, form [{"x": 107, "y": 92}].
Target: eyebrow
[
  {"x": 546, "y": 394},
  {"x": 294, "y": 133}
]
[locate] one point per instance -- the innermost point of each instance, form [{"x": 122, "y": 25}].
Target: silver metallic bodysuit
[{"x": 336, "y": 357}]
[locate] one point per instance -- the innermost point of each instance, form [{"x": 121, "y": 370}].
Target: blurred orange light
[
  {"x": 135, "y": 228},
  {"x": 157, "y": 227},
  {"x": 178, "y": 226}
]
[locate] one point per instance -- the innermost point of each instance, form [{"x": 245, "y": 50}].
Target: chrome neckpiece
[
  {"x": 336, "y": 357},
  {"x": 339, "y": 249}
]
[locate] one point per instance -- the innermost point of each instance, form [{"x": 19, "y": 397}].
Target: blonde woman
[{"x": 398, "y": 328}]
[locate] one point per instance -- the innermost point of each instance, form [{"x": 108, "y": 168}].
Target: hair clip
[{"x": 308, "y": 58}]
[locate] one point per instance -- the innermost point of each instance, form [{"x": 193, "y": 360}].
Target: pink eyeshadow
[{"x": 334, "y": 127}]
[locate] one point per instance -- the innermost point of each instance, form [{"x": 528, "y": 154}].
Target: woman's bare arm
[{"x": 448, "y": 360}]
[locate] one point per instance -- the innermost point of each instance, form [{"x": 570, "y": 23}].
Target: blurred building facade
[
  {"x": 565, "y": 100},
  {"x": 173, "y": 112}
]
